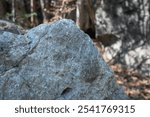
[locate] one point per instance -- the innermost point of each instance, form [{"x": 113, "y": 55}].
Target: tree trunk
[
  {"x": 42, "y": 2},
  {"x": 13, "y": 10},
  {"x": 32, "y": 10},
  {"x": 86, "y": 17}
]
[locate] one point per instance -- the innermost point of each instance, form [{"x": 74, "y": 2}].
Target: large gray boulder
[{"x": 54, "y": 61}]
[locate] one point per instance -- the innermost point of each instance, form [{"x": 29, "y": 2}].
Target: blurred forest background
[{"x": 120, "y": 29}]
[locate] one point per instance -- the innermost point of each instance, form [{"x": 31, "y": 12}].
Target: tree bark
[
  {"x": 13, "y": 10},
  {"x": 86, "y": 17},
  {"x": 42, "y": 3},
  {"x": 32, "y": 9}
]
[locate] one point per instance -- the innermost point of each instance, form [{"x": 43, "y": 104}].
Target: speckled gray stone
[{"x": 54, "y": 61}]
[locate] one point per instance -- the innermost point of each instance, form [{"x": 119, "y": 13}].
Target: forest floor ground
[{"x": 136, "y": 86}]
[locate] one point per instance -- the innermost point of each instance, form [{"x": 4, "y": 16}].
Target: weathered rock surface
[
  {"x": 54, "y": 61},
  {"x": 10, "y": 27},
  {"x": 130, "y": 21}
]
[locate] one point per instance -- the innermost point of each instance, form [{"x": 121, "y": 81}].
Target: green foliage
[{"x": 30, "y": 15}]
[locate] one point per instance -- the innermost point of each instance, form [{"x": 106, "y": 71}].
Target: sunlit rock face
[{"x": 130, "y": 21}]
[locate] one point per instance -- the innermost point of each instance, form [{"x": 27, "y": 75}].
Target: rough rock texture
[
  {"x": 10, "y": 27},
  {"x": 54, "y": 61},
  {"x": 130, "y": 20}
]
